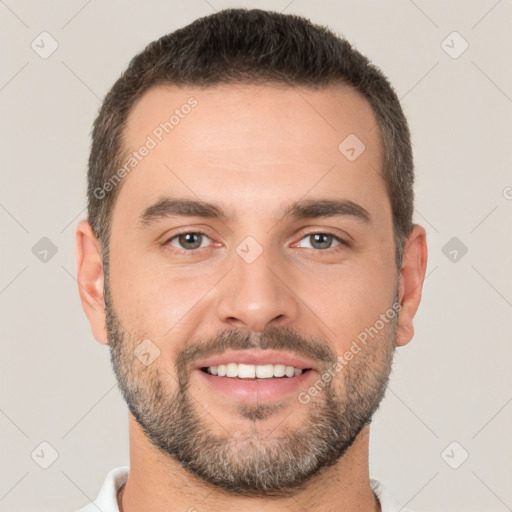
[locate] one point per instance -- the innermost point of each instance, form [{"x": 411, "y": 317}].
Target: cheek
[
  {"x": 160, "y": 301},
  {"x": 351, "y": 299}
]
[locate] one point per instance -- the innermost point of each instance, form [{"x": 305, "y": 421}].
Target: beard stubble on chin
[{"x": 249, "y": 463}]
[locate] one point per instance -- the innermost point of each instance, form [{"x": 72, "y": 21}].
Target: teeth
[
  {"x": 265, "y": 371},
  {"x": 290, "y": 371},
  {"x": 251, "y": 371},
  {"x": 246, "y": 371},
  {"x": 231, "y": 370},
  {"x": 279, "y": 370}
]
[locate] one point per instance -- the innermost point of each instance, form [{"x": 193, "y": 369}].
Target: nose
[{"x": 257, "y": 294}]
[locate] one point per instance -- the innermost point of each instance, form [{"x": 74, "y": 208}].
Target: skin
[{"x": 253, "y": 149}]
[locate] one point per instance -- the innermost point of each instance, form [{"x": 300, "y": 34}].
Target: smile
[{"x": 251, "y": 371}]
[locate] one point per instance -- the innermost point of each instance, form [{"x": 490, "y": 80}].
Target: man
[{"x": 251, "y": 261}]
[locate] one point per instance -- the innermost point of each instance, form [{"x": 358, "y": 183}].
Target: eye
[
  {"x": 322, "y": 241},
  {"x": 189, "y": 241}
]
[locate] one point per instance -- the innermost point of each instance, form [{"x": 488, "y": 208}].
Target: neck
[{"x": 159, "y": 483}]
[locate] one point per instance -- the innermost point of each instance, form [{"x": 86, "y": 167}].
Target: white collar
[{"x": 106, "y": 501}]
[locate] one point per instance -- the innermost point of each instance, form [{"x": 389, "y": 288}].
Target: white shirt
[{"x": 106, "y": 501}]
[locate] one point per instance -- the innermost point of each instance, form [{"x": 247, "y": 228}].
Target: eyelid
[
  {"x": 317, "y": 231},
  {"x": 337, "y": 233},
  {"x": 342, "y": 241},
  {"x": 168, "y": 240},
  {"x": 184, "y": 230}
]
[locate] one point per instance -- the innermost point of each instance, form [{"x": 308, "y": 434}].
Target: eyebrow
[{"x": 299, "y": 210}]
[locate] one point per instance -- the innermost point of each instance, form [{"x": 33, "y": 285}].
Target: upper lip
[{"x": 259, "y": 357}]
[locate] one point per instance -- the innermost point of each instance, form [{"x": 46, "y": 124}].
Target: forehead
[{"x": 250, "y": 145}]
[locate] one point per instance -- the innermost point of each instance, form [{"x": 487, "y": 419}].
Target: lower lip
[{"x": 263, "y": 390}]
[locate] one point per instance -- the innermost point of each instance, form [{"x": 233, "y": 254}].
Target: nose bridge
[{"x": 254, "y": 295}]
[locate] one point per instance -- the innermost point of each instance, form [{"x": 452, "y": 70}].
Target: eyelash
[{"x": 192, "y": 252}]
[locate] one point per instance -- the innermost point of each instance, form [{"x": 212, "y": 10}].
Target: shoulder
[
  {"x": 106, "y": 500},
  {"x": 387, "y": 501}
]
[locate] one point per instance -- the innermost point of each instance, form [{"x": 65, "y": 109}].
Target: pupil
[
  {"x": 188, "y": 238},
  {"x": 322, "y": 239}
]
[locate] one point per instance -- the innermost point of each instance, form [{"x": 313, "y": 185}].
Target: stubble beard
[{"x": 250, "y": 463}]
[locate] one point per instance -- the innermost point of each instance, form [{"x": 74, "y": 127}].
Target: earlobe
[
  {"x": 412, "y": 275},
  {"x": 90, "y": 279}
]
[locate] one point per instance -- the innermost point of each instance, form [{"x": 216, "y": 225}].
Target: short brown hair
[{"x": 251, "y": 46}]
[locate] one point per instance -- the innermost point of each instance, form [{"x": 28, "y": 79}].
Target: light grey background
[{"x": 451, "y": 383}]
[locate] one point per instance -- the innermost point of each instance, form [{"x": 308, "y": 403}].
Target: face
[{"x": 246, "y": 242}]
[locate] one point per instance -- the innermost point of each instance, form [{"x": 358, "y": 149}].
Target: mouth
[
  {"x": 263, "y": 376},
  {"x": 254, "y": 372}
]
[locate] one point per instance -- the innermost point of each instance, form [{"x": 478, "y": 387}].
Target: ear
[
  {"x": 412, "y": 275},
  {"x": 90, "y": 279}
]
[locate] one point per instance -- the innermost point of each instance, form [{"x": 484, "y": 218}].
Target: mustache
[{"x": 274, "y": 338}]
